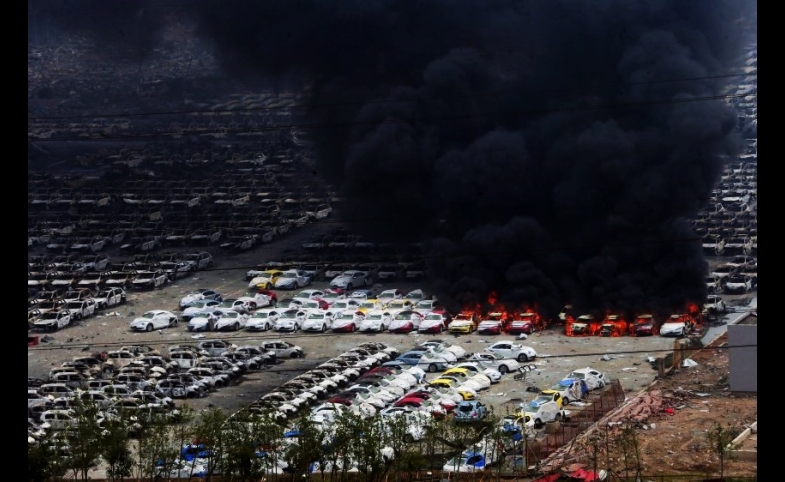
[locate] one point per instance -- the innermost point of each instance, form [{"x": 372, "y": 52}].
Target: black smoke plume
[{"x": 551, "y": 152}]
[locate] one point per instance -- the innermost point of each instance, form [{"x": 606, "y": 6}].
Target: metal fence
[{"x": 607, "y": 400}]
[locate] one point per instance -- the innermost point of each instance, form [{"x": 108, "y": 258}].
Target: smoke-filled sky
[{"x": 548, "y": 151}]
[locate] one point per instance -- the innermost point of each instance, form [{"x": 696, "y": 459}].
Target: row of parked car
[{"x": 138, "y": 379}]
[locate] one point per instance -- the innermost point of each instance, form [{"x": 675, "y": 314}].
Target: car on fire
[
  {"x": 582, "y": 325},
  {"x": 463, "y": 323},
  {"x": 613, "y": 325},
  {"x": 677, "y": 325},
  {"x": 493, "y": 324},
  {"x": 644, "y": 325},
  {"x": 524, "y": 323}
]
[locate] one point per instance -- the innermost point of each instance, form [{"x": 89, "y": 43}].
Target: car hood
[{"x": 198, "y": 321}]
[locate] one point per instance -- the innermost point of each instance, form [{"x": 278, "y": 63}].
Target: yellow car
[
  {"x": 265, "y": 280},
  {"x": 462, "y": 323},
  {"x": 399, "y": 305},
  {"x": 370, "y": 305},
  {"x": 546, "y": 396},
  {"x": 459, "y": 371}
]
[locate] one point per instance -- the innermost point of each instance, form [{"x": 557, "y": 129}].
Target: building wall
[{"x": 743, "y": 357}]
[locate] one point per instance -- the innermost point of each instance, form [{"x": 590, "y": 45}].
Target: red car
[
  {"x": 524, "y": 323},
  {"x": 644, "y": 325}
]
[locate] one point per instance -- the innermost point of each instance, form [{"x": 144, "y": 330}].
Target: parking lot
[{"x": 622, "y": 358}]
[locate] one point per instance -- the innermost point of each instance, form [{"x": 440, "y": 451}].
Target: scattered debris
[
  {"x": 606, "y": 358},
  {"x": 689, "y": 362}
]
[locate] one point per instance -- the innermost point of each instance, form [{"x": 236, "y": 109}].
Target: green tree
[
  {"x": 209, "y": 429},
  {"x": 720, "y": 438},
  {"x": 47, "y": 458},
  {"x": 157, "y": 443},
  {"x": 115, "y": 449},
  {"x": 84, "y": 438}
]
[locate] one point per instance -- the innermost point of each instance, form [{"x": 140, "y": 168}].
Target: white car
[
  {"x": 433, "y": 323},
  {"x": 348, "y": 280},
  {"x": 737, "y": 284},
  {"x": 230, "y": 320},
  {"x": 344, "y": 305},
  {"x": 198, "y": 295},
  {"x": 425, "y": 306},
  {"x": 495, "y": 361},
  {"x": 319, "y": 321},
  {"x": 305, "y": 304},
  {"x": 199, "y": 307},
  {"x": 238, "y": 305},
  {"x": 262, "y": 320},
  {"x": 376, "y": 321},
  {"x": 677, "y": 325},
  {"x": 539, "y": 414},
  {"x": 154, "y": 320},
  {"x": 388, "y": 295},
  {"x": 110, "y": 297},
  {"x": 202, "y": 321},
  {"x": 310, "y": 294},
  {"x": 474, "y": 459},
  {"x": 291, "y": 280},
  {"x": 282, "y": 349},
  {"x": 510, "y": 350},
  {"x": 594, "y": 378},
  {"x": 290, "y": 320},
  {"x": 493, "y": 375},
  {"x": 405, "y": 321},
  {"x": 348, "y": 321},
  {"x": 257, "y": 300},
  {"x": 440, "y": 345}
]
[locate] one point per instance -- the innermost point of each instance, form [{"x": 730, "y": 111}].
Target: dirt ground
[{"x": 699, "y": 394}]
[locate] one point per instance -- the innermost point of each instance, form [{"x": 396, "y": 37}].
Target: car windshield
[
  {"x": 316, "y": 316},
  {"x": 289, "y": 275},
  {"x": 229, "y": 314},
  {"x": 261, "y": 314},
  {"x": 330, "y": 295},
  {"x": 578, "y": 375},
  {"x": 346, "y": 316},
  {"x": 149, "y": 314},
  {"x": 467, "y": 408},
  {"x": 433, "y": 317},
  {"x": 374, "y": 317}
]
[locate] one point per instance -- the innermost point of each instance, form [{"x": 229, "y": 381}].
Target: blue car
[
  {"x": 189, "y": 452},
  {"x": 470, "y": 411}
]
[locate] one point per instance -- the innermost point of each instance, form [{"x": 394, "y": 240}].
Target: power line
[
  {"x": 395, "y": 121},
  {"x": 386, "y": 101}
]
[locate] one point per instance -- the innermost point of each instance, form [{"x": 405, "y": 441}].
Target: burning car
[
  {"x": 613, "y": 325},
  {"x": 524, "y": 323},
  {"x": 677, "y": 325},
  {"x": 463, "y": 323},
  {"x": 493, "y": 325},
  {"x": 644, "y": 325}
]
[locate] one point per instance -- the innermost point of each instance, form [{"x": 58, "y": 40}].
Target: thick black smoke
[{"x": 548, "y": 151}]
